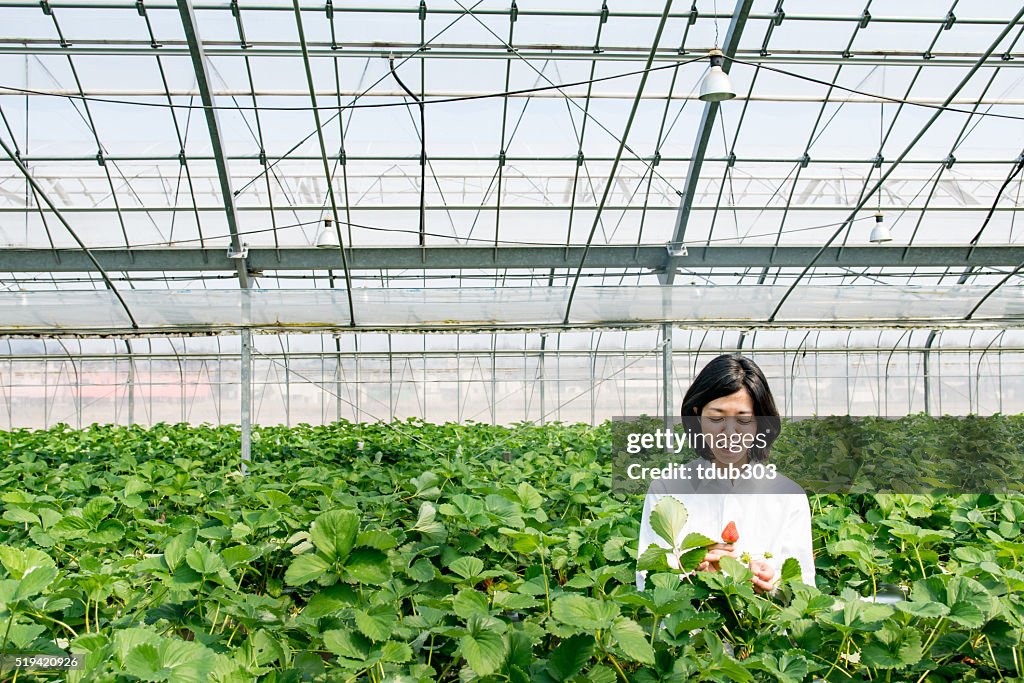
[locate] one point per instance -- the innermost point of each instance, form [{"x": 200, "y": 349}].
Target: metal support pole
[
  {"x": 593, "y": 379},
  {"x": 926, "y": 368},
  {"x": 246, "y": 385},
  {"x": 287, "y": 392},
  {"x": 667, "y": 374},
  {"x": 494, "y": 380},
  {"x": 391, "y": 382},
  {"x": 359, "y": 385},
  {"x": 337, "y": 381},
  {"x": 543, "y": 344},
  {"x": 131, "y": 387}
]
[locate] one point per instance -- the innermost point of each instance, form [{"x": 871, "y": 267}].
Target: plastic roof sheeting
[
  {"x": 439, "y": 308},
  {"x": 86, "y": 93}
]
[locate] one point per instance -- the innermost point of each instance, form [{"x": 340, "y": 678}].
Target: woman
[{"x": 730, "y": 397}]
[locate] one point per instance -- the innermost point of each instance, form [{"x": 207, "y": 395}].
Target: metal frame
[
  {"x": 997, "y": 265},
  {"x": 643, "y": 258},
  {"x": 237, "y": 253},
  {"x": 867, "y": 193},
  {"x": 704, "y": 130},
  {"x": 613, "y": 366}
]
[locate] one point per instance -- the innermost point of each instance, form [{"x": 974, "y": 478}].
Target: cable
[
  {"x": 423, "y": 152},
  {"x": 895, "y": 100},
  {"x": 457, "y": 237},
  {"x": 509, "y": 93},
  {"x": 1018, "y": 166},
  {"x": 377, "y": 105}
]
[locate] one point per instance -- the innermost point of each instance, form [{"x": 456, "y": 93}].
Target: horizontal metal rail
[
  {"x": 521, "y": 12},
  {"x": 655, "y": 258},
  {"x": 406, "y": 51}
]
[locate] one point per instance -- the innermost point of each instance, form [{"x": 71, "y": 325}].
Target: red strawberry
[{"x": 730, "y": 534}]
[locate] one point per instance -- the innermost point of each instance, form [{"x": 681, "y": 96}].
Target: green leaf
[
  {"x": 21, "y": 636},
  {"x": 144, "y": 662},
  {"x": 89, "y": 642},
  {"x": 174, "y": 553},
  {"x": 330, "y": 600},
  {"x": 467, "y": 567},
  {"x": 173, "y": 660},
  {"x": 265, "y": 648},
  {"x": 927, "y": 610},
  {"x": 632, "y": 640},
  {"x": 483, "y": 648},
  {"x": 238, "y": 554},
  {"x": 306, "y": 568},
  {"x": 605, "y": 674},
  {"x": 529, "y": 497},
  {"x": 422, "y": 570},
  {"x": 426, "y": 485},
  {"x": 737, "y": 570},
  {"x": 968, "y": 601},
  {"x": 21, "y": 515},
  {"x": 583, "y": 613},
  {"x": 334, "y": 533},
  {"x": 668, "y": 519},
  {"x": 275, "y": 499},
  {"x": 791, "y": 570},
  {"x": 70, "y": 527},
  {"x": 35, "y": 581},
  {"x": 109, "y": 531},
  {"x": 789, "y": 667},
  {"x": 892, "y": 647},
  {"x": 381, "y": 540},
  {"x": 654, "y": 559},
  {"x": 689, "y": 560},
  {"x": 203, "y": 560},
  {"x": 427, "y": 524},
  {"x": 857, "y": 615},
  {"x": 367, "y": 566},
  {"x": 695, "y": 540},
  {"x": 347, "y": 644},
  {"x": 377, "y": 622},
  {"x": 392, "y": 651},
  {"x": 98, "y": 509},
  {"x": 127, "y": 638},
  {"x": 468, "y": 603},
  {"x": 18, "y": 562},
  {"x": 568, "y": 659}
]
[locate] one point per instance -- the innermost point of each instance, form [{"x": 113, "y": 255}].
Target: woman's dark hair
[{"x": 723, "y": 376}]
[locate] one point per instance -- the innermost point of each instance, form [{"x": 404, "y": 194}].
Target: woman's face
[{"x": 725, "y": 421}]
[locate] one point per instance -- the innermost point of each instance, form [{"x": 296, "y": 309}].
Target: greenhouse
[{"x": 317, "y": 319}]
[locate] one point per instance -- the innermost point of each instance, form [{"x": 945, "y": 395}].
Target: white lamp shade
[
  {"x": 716, "y": 86},
  {"x": 327, "y": 239},
  {"x": 880, "y": 233}
]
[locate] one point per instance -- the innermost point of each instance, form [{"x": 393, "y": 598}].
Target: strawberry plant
[{"x": 422, "y": 552}]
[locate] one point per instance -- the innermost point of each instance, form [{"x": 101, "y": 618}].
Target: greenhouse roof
[{"x": 501, "y": 165}]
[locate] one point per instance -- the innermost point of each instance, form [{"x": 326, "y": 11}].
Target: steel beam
[
  {"x": 201, "y": 67},
  {"x": 622, "y": 13},
  {"x": 457, "y": 51},
  {"x": 667, "y": 376},
  {"x": 652, "y": 257},
  {"x": 707, "y": 125},
  {"x": 489, "y": 158},
  {"x": 246, "y": 399}
]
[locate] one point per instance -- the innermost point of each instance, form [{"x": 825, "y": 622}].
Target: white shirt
[{"x": 770, "y": 515}]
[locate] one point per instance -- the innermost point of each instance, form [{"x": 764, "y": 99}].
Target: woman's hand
[
  {"x": 715, "y": 553},
  {"x": 764, "y": 574}
]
